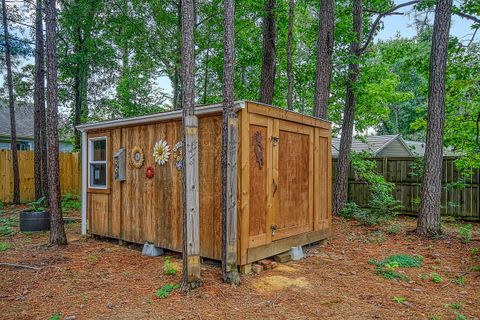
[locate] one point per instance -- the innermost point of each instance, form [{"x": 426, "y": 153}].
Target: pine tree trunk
[
  {"x": 429, "y": 213},
  {"x": 191, "y": 246},
  {"x": 229, "y": 153},
  {"x": 267, "y": 79},
  {"x": 340, "y": 188},
  {"x": 57, "y": 230},
  {"x": 11, "y": 105},
  {"x": 326, "y": 24},
  {"x": 39, "y": 105},
  {"x": 291, "y": 15}
]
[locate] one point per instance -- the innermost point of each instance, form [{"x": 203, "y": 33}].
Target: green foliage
[
  {"x": 435, "y": 277},
  {"x": 164, "y": 291},
  {"x": 37, "y": 205},
  {"x": 465, "y": 233},
  {"x": 423, "y": 276},
  {"x": 4, "y": 246},
  {"x": 475, "y": 252},
  {"x": 460, "y": 280},
  {"x": 454, "y": 305},
  {"x": 169, "y": 267},
  {"x": 388, "y": 266},
  {"x": 56, "y": 316},
  {"x": 394, "y": 229},
  {"x": 400, "y": 300},
  {"x": 71, "y": 202},
  {"x": 382, "y": 206}
]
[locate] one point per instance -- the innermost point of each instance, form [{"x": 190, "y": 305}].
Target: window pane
[
  {"x": 99, "y": 150},
  {"x": 98, "y": 175}
]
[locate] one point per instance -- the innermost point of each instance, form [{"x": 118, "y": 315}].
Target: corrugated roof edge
[{"x": 174, "y": 114}]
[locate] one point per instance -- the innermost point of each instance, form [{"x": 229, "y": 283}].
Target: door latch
[
  {"x": 274, "y": 140},
  {"x": 274, "y": 229}
]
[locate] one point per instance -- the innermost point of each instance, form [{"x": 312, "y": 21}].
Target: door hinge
[{"x": 274, "y": 140}]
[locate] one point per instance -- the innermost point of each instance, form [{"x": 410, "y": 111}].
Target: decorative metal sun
[
  {"x": 161, "y": 152},
  {"x": 137, "y": 157}
]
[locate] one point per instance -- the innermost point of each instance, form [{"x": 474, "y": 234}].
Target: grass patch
[
  {"x": 164, "y": 291},
  {"x": 71, "y": 202},
  {"x": 465, "y": 233},
  {"x": 387, "y": 267}
]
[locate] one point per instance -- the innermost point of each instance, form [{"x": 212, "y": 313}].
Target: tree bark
[
  {"x": 429, "y": 213},
  {"x": 229, "y": 152},
  {"x": 267, "y": 79},
  {"x": 11, "y": 106},
  {"x": 340, "y": 188},
  {"x": 191, "y": 246},
  {"x": 40, "y": 154},
  {"x": 57, "y": 230},
  {"x": 326, "y": 24},
  {"x": 291, "y": 15}
]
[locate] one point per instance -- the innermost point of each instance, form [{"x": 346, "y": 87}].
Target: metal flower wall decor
[
  {"x": 178, "y": 155},
  {"x": 161, "y": 152},
  {"x": 136, "y": 157}
]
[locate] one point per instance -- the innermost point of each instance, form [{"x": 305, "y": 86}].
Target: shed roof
[{"x": 375, "y": 144}]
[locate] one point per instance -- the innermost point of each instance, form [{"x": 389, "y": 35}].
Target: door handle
[
  {"x": 275, "y": 186},
  {"x": 273, "y": 227}
]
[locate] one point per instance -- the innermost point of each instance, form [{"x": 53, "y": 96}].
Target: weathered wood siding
[
  {"x": 140, "y": 209},
  {"x": 463, "y": 201},
  {"x": 69, "y": 175}
]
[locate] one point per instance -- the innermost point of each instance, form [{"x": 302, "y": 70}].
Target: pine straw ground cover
[{"x": 98, "y": 279}]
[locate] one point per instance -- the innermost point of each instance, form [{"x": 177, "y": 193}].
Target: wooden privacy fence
[
  {"x": 70, "y": 180},
  {"x": 458, "y": 202}
]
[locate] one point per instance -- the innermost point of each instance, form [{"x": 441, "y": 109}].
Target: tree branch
[
  {"x": 379, "y": 18},
  {"x": 468, "y": 16}
]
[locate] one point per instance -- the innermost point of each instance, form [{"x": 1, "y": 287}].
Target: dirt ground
[{"x": 98, "y": 279}]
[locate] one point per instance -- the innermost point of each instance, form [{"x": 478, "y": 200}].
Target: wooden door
[{"x": 292, "y": 179}]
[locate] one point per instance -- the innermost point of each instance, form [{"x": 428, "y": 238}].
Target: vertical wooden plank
[
  {"x": 191, "y": 229},
  {"x": 274, "y": 193},
  {"x": 231, "y": 205},
  {"x": 245, "y": 185}
]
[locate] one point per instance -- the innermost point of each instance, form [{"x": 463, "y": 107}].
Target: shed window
[{"x": 98, "y": 162}]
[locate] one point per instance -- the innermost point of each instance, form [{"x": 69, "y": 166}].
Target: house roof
[
  {"x": 23, "y": 121},
  {"x": 375, "y": 144}
]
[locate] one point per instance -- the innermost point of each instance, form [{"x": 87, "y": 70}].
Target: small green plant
[
  {"x": 38, "y": 205},
  {"x": 475, "y": 252},
  {"x": 459, "y": 316},
  {"x": 394, "y": 229},
  {"x": 169, "y": 267},
  {"x": 465, "y": 233},
  {"x": 71, "y": 202},
  {"x": 400, "y": 300},
  {"x": 454, "y": 305},
  {"x": 377, "y": 237},
  {"x": 388, "y": 266},
  {"x": 460, "y": 280},
  {"x": 56, "y": 316},
  {"x": 475, "y": 268},
  {"x": 6, "y": 231},
  {"x": 423, "y": 276},
  {"x": 4, "y": 246},
  {"x": 435, "y": 277},
  {"x": 164, "y": 291}
]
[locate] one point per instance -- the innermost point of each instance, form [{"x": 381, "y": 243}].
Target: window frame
[{"x": 91, "y": 140}]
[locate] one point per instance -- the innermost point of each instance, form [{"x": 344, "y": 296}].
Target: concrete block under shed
[{"x": 150, "y": 250}]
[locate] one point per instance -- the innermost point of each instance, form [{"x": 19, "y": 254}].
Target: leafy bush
[
  {"x": 381, "y": 204},
  {"x": 37, "y": 205},
  {"x": 168, "y": 267},
  {"x": 465, "y": 233},
  {"x": 71, "y": 202},
  {"x": 164, "y": 291}
]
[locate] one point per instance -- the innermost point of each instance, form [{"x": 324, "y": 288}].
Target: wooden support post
[
  {"x": 229, "y": 259},
  {"x": 191, "y": 226}
]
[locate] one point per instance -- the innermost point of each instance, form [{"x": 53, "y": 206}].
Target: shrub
[
  {"x": 164, "y": 291},
  {"x": 38, "y": 205},
  {"x": 435, "y": 277},
  {"x": 71, "y": 202},
  {"x": 382, "y": 205},
  {"x": 465, "y": 233}
]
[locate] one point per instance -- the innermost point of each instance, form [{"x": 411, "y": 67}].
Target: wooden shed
[{"x": 284, "y": 180}]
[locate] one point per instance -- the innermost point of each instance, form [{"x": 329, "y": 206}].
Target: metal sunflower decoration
[
  {"x": 178, "y": 155},
  {"x": 161, "y": 152}
]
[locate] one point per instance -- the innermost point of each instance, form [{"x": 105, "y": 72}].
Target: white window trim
[{"x": 90, "y": 161}]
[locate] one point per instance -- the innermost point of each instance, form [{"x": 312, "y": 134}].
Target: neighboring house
[
  {"x": 24, "y": 125},
  {"x": 380, "y": 146}
]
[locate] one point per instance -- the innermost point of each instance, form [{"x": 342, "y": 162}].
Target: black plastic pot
[{"x": 34, "y": 221}]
